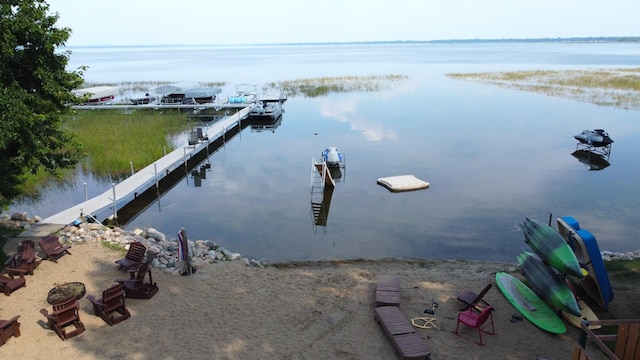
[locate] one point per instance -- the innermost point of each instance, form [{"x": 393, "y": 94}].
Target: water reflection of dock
[{"x": 149, "y": 176}]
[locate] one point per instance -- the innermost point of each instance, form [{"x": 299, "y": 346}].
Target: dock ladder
[{"x": 321, "y": 182}]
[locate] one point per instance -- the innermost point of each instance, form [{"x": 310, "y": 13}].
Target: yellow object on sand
[{"x": 424, "y": 322}]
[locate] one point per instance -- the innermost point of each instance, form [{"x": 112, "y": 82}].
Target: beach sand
[{"x": 311, "y": 310}]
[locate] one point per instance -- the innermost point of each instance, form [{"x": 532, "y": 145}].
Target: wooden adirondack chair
[
  {"x": 134, "y": 257},
  {"x": 65, "y": 314},
  {"x": 9, "y": 328},
  {"x": 25, "y": 260},
  {"x": 111, "y": 307},
  {"x": 52, "y": 248},
  {"x": 11, "y": 283},
  {"x": 471, "y": 299},
  {"x": 135, "y": 287}
]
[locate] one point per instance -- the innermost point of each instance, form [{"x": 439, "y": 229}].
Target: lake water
[{"x": 492, "y": 155}]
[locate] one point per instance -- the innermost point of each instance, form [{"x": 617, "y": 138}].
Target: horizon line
[{"x": 487, "y": 40}]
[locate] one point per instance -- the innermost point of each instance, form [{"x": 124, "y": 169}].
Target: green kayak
[
  {"x": 547, "y": 243},
  {"x": 530, "y": 305},
  {"x": 547, "y": 283}
]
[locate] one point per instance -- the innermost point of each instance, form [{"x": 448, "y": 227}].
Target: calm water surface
[{"x": 492, "y": 155}]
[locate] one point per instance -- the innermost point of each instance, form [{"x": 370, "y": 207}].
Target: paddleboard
[
  {"x": 596, "y": 284},
  {"x": 530, "y": 305},
  {"x": 587, "y": 314}
]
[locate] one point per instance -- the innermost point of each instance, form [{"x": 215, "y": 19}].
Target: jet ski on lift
[{"x": 595, "y": 138}]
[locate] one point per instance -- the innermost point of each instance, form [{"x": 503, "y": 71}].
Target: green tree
[{"x": 34, "y": 95}]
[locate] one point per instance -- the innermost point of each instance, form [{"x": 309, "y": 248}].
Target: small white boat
[
  {"x": 245, "y": 94},
  {"x": 335, "y": 161},
  {"x": 263, "y": 110},
  {"x": 143, "y": 100},
  {"x": 96, "y": 95},
  {"x": 332, "y": 156}
]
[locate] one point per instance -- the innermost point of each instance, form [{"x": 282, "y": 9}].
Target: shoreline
[
  {"x": 297, "y": 310},
  {"x": 318, "y": 309},
  {"x": 150, "y": 237}
]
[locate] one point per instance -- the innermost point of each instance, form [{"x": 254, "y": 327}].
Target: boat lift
[
  {"x": 321, "y": 187},
  {"x": 604, "y": 151}
]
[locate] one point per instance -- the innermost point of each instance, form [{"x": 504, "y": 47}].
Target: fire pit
[{"x": 63, "y": 291}]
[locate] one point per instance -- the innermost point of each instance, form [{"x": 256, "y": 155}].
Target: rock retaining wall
[{"x": 162, "y": 251}]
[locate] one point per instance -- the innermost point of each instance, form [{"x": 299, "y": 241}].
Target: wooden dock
[{"x": 146, "y": 177}]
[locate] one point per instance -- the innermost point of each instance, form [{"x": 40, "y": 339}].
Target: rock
[
  {"x": 19, "y": 216},
  {"x": 155, "y": 234}
]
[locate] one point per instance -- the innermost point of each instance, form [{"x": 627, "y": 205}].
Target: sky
[{"x": 204, "y": 22}]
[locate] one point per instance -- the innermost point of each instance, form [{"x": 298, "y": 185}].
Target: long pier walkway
[{"x": 144, "y": 178}]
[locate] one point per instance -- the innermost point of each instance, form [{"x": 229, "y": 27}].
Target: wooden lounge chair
[
  {"x": 25, "y": 260},
  {"x": 471, "y": 299},
  {"x": 11, "y": 283},
  {"x": 52, "y": 248},
  {"x": 111, "y": 307},
  {"x": 9, "y": 328},
  {"x": 476, "y": 321},
  {"x": 65, "y": 313},
  {"x": 407, "y": 342},
  {"x": 134, "y": 257},
  {"x": 388, "y": 291},
  {"x": 135, "y": 287}
]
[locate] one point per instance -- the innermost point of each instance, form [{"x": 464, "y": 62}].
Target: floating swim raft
[{"x": 402, "y": 183}]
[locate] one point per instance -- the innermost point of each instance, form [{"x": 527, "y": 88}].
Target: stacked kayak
[
  {"x": 545, "y": 282},
  {"x": 549, "y": 245}
]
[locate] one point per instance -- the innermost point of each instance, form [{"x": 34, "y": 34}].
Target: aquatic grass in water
[
  {"x": 606, "y": 87},
  {"x": 326, "y": 85},
  {"x": 112, "y": 139}
]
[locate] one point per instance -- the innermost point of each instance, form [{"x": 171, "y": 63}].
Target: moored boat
[
  {"x": 549, "y": 245},
  {"x": 266, "y": 110},
  {"x": 334, "y": 160},
  {"x": 96, "y": 95},
  {"x": 245, "y": 94},
  {"x": 202, "y": 95},
  {"x": 187, "y": 93},
  {"x": 547, "y": 283},
  {"x": 332, "y": 156},
  {"x": 143, "y": 100}
]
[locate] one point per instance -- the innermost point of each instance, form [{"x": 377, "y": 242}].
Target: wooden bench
[
  {"x": 407, "y": 342},
  {"x": 388, "y": 291}
]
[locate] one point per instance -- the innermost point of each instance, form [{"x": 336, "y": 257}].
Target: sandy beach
[{"x": 312, "y": 310}]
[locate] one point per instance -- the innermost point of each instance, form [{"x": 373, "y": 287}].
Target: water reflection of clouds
[{"x": 345, "y": 110}]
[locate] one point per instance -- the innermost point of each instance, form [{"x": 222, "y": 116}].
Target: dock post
[
  {"x": 131, "y": 165},
  {"x": 115, "y": 210},
  {"x": 184, "y": 158},
  {"x": 86, "y": 195},
  {"x": 155, "y": 172}
]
